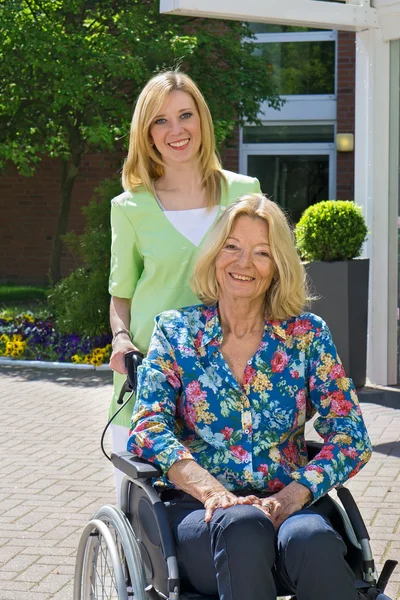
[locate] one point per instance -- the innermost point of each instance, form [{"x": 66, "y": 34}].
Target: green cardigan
[{"x": 151, "y": 262}]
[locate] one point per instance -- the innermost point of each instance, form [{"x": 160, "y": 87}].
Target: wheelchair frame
[
  {"x": 112, "y": 562},
  {"x": 113, "y": 559}
]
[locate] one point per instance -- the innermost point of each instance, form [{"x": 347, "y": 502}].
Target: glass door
[{"x": 293, "y": 179}]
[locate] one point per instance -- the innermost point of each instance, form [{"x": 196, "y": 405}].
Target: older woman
[{"x": 223, "y": 397}]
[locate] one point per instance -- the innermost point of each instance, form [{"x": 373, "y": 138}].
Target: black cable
[
  {"x": 133, "y": 359},
  {"x": 109, "y": 423}
]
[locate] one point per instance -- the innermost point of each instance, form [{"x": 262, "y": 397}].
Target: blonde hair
[
  {"x": 144, "y": 163},
  {"x": 287, "y": 295}
]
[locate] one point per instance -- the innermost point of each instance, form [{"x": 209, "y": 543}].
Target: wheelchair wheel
[{"x": 108, "y": 562}]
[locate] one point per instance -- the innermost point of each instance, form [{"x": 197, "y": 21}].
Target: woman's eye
[
  {"x": 230, "y": 247},
  {"x": 160, "y": 122},
  {"x": 264, "y": 253},
  {"x": 186, "y": 115}
]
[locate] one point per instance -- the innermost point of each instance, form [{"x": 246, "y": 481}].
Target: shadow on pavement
[
  {"x": 67, "y": 377},
  {"x": 389, "y": 397},
  {"x": 388, "y": 448}
]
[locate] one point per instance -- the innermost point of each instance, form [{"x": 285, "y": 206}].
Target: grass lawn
[{"x": 15, "y": 299}]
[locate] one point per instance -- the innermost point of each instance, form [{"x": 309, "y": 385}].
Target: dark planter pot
[{"x": 342, "y": 288}]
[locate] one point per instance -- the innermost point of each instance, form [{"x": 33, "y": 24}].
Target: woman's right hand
[
  {"x": 225, "y": 499},
  {"x": 121, "y": 346}
]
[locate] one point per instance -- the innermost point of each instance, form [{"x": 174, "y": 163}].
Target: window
[
  {"x": 292, "y": 152},
  {"x": 289, "y": 134},
  {"x": 301, "y": 61}
]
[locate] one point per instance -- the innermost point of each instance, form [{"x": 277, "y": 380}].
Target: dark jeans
[{"x": 239, "y": 556}]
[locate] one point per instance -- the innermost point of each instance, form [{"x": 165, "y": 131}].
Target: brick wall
[
  {"x": 29, "y": 209},
  {"x": 345, "y": 112},
  {"x": 230, "y": 152}
]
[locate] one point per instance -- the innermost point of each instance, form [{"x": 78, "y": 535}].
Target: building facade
[{"x": 293, "y": 152}]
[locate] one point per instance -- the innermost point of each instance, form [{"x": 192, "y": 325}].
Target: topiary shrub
[
  {"x": 80, "y": 302},
  {"x": 331, "y": 230}
]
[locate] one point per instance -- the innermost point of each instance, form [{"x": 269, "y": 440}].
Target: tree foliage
[{"x": 70, "y": 71}]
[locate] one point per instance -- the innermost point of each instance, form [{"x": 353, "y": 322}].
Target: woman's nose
[
  {"x": 176, "y": 127},
  {"x": 244, "y": 258}
]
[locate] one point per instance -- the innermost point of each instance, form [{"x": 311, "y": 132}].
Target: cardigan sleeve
[
  {"x": 347, "y": 446},
  {"x": 153, "y": 425},
  {"x": 126, "y": 260}
]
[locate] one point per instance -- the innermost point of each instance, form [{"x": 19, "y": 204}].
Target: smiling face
[
  {"x": 244, "y": 266},
  {"x": 176, "y": 129}
]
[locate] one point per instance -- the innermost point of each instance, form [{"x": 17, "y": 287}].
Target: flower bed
[{"x": 28, "y": 337}]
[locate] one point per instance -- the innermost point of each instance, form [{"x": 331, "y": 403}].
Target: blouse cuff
[
  {"x": 314, "y": 478},
  {"x": 171, "y": 455}
]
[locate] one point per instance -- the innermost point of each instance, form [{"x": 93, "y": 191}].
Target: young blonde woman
[{"x": 175, "y": 189}]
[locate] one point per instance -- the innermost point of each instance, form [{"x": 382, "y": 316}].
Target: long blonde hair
[
  {"x": 287, "y": 295},
  {"x": 144, "y": 164}
]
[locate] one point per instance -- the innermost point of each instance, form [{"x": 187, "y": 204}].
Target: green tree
[{"x": 70, "y": 71}]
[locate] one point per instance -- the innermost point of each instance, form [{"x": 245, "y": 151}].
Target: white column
[{"x": 372, "y": 192}]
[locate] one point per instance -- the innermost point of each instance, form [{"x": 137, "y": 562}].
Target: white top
[{"x": 192, "y": 223}]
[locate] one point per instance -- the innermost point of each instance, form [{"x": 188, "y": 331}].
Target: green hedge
[
  {"x": 331, "y": 230},
  {"x": 80, "y": 302}
]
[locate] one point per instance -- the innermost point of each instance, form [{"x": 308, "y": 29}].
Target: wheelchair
[{"x": 129, "y": 553}]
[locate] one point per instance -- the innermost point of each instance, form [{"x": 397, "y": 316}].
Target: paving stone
[{"x": 49, "y": 492}]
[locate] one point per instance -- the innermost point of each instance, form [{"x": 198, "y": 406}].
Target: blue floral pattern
[{"x": 190, "y": 406}]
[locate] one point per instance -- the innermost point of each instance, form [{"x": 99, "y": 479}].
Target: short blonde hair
[
  {"x": 287, "y": 295},
  {"x": 144, "y": 163}
]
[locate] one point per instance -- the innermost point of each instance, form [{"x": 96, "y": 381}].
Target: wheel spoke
[{"x": 110, "y": 542}]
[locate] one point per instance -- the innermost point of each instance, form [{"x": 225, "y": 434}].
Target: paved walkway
[{"x": 54, "y": 476}]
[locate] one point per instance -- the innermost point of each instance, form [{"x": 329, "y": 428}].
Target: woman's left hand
[{"x": 286, "y": 502}]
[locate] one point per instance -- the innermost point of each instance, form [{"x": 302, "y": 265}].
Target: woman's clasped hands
[{"x": 276, "y": 507}]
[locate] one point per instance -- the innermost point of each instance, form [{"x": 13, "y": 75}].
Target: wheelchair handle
[{"x": 133, "y": 360}]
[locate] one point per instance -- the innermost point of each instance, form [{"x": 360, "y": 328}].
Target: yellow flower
[
  {"x": 325, "y": 402},
  {"x": 28, "y": 317},
  {"x": 275, "y": 454},
  {"x": 98, "y": 351},
  {"x": 202, "y": 413},
  {"x": 248, "y": 475},
  {"x": 17, "y": 337},
  {"x": 305, "y": 340},
  {"x": 4, "y": 338},
  {"x": 365, "y": 456},
  {"x": 314, "y": 476},
  {"x": 96, "y": 360},
  {"x": 154, "y": 426},
  {"x": 343, "y": 383},
  {"x": 261, "y": 382},
  {"x": 354, "y": 396},
  {"x": 341, "y": 438}
]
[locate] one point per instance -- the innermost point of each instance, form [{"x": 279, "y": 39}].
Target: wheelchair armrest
[
  {"x": 135, "y": 467},
  {"x": 313, "y": 448},
  {"x": 353, "y": 512}
]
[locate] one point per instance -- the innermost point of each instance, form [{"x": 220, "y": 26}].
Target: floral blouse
[{"x": 250, "y": 437}]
